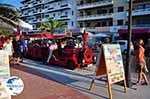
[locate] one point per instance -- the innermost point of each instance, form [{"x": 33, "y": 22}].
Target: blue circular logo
[{"x": 14, "y": 85}]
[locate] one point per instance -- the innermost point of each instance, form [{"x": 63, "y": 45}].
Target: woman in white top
[{"x": 7, "y": 46}]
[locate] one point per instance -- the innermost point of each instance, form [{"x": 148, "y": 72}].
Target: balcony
[
  {"x": 38, "y": 11},
  {"x": 140, "y": 12},
  {"x": 95, "y": 17},
  {"x": 36, "y": 3},
  {"x": 26, "y": 6},
  {"x": 138, "y": 26},
  {"x": 49, "y": 1},
  {"x": 62, "y": 7},
  {"x": 63, "y": 17},
  {"x": 95, "y": 4}
]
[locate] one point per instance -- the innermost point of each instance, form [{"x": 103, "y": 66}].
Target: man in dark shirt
[{"x": 16, "y": 46}]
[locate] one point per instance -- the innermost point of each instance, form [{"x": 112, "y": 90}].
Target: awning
[
  {"x": 99, "y": 35},
  {"x": 25, "y": 25},
  {"x": 121, "y": 31},
  {"x": 21, "y": 24},
  {"x": 40, "y": 35}
]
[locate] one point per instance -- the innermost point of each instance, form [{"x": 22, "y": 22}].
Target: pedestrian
[
  {"x": 7, "y": 46},
  {"x": 23, "y": 47},
  {"x": 107, "y": 40},
  {"x": 141, "y": 63},
  {"x": 16, "y": 46}
]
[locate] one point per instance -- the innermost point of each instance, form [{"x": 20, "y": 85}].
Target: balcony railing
[
  {"x": 141, "y": 12},
  {"x": 95, "y": 4},
  {"x": 97, "y": 16},
  {"x": 137, "y": 26},
  {"x": 58, "y": 8}
]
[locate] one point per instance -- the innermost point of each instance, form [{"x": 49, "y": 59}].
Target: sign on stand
[
  {"x": 110, "y": 63},
  {"x": 4, "y": 74}
]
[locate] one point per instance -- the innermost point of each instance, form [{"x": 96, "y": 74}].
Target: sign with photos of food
[
  {"x": 4, "y": 74},
  {"x": 114, "y": 62}
]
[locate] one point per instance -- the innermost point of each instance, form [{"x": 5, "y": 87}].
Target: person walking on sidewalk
[{"x": 141, "y": 63}]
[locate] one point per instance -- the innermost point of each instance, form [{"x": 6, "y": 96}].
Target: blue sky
[{"x": 16, "y": 3}]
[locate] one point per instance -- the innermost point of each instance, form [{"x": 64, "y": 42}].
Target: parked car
[{"x": 124, "y": 45}]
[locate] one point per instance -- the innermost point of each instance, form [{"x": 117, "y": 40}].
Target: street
[{"x": 52, "y": 82}]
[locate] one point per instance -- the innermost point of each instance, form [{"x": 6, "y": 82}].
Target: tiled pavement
[
  {"x": 77, "y": 79},
  {"x": 37, "y": 87}
]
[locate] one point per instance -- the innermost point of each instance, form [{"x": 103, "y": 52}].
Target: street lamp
[{"x": 128, "y": 56}]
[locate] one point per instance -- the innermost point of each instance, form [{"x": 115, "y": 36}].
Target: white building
[
  {"x": 105, "y": 16},
  {"x": 37, "y": 11}
]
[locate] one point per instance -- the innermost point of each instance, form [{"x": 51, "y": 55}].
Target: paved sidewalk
[
  {"x": 37, "y": 87},
  {"x": 79, "y": 80}
]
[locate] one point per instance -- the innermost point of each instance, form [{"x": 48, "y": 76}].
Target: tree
[
  {"x": 9, "y": 14},
  {"x": 51, "y": 25}
]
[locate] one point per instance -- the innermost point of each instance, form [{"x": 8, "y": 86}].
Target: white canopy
[
  {"x": 25, "y": 25},
  {"x": 99, "y": 35},
  {"x": 21, "y": 24}
]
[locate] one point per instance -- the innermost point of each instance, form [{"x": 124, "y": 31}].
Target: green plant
[{"x": 51, "y": 25}]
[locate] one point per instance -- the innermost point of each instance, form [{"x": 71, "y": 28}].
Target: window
[
  {"x": 120, "y": 22},
  {"x": 46, "y": 16},
  {"x": 81, "y": 13},
  {"x": 104, "y": 11},
  {"x": 104, "y": 23},
  {"x": 110, "y": 23},
  {"x": 72, "y": 23},
  {"x": 99, "y": 11},
  {"x": 98, "y": 24},
  {"x": 81, "y": 25},
  {"x": 120, "y": 9},
  {"x": 72, "y": 12},
  {"x": 81, "y": 2},
  {"x": 111, "y": 10},
  {"x": 66, "y": 23},
  {"x": 66, "y": 13},
  {"x": 54, "y": 14},
  {"x": 88, "y": 25},
  {"x": 88, "y": 13}
]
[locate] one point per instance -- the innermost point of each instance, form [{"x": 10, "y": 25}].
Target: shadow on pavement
[{"x": 47, "y": 75}]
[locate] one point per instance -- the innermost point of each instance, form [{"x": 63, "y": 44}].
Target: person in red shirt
[{"x": 141, "y": 63}]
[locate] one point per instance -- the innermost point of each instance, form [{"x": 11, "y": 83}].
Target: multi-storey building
[
  {"x": 94, "y": 13},
  {"x": 141, "y": 20},
  {"x": 111, "y": 15},
  {"x": 37, "y": 11}
]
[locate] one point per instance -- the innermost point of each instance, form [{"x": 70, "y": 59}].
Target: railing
[
  {"x": 95, "y": 16},
  {"x": 57, "y": 8},
  {"x": 141, "y": 11},
  {"x": 136, "y": 26},
  {"x": 95, "y": 3}
]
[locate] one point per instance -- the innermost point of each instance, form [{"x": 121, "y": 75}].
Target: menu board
[
  {"x": 110, "y": 63},
  {"x": 113, "y": 62},
  {"x": 4, "y": 74}
]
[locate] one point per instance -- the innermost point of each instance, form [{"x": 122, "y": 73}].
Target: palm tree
[
  {"x": 9, "y": 14},
  {"x": 51, "y": 25}
]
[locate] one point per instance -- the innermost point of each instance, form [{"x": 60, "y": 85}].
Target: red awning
[
  {"x": 121, "y": 31},
  {"x": 40, "y": 35}
]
